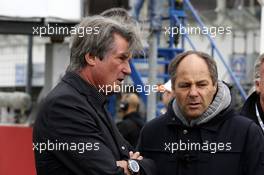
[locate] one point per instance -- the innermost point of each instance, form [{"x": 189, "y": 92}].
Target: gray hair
[
  {"x": 207, "y": 58},
  {"x": 258, "y": 62},
  {"x": 100, "y": 42},
  {"x": 121, "y": 15},
  {"x": 118, "y": 14}
]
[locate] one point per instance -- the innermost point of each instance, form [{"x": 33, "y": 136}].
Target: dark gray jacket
[
  {"x": 74, "y": 113},
  {"x": 235, "y": 145}
]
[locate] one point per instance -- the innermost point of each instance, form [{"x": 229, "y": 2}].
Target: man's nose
[
  {"x": 193, "y": 91},
  {"x": 127, "y": 68}
]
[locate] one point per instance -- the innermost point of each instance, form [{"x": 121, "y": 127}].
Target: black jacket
[
  {"x": 74, "y": 115},
  {"x": 249, "y": 109},
  {"x": 180, "y": 150},
  {"x": 130, "y": 127}
]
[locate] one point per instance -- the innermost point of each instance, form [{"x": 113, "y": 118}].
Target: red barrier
[{"x": 16, "y": 154}]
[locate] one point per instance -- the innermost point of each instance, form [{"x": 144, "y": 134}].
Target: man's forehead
[
  {"x": 193, "y": 78},
  {"x": 193, "y": 73},
  {"x": 192, "y": 63},
  {"x": 119, "y": 48}
]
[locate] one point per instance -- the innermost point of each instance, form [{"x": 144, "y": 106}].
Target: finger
[
  {"x": 118, "y": 163},
  {"x": 140, "y": 158},
  {"x": 130, "y": 154},
  {"x": 135, "y": 155}
]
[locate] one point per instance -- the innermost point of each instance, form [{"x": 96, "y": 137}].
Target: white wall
[
  {"x": 68, "y": 9},
  {"x": 13, "y": 53}
]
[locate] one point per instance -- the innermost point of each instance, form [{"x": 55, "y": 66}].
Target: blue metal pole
[{"x": 185, "y": 35}]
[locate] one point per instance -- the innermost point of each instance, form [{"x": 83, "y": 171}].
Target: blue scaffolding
[{"x": 177, "y": 17}]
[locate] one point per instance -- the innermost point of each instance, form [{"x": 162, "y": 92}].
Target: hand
[
  {"x": 135, "y": 155},
  {"x": 123, "y": 164}
]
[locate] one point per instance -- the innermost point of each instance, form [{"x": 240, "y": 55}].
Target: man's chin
[{"x": 193, "y": 115}]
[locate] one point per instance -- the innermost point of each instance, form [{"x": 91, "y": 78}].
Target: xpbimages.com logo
[
  {"x": 80, "y": 147},
  {"x": 62, "y": 30},
  {"x": 192, "y": 146},
  {"x": 127, "y": 88},
  {"x": 196, "y": 30}
]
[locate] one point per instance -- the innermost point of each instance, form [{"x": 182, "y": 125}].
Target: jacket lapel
[{"x": 119, "y": 145}]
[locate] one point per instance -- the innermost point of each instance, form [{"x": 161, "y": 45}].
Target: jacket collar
[
  {"x": 248, "y": 108},
  {"x": 83, "y": 87}
]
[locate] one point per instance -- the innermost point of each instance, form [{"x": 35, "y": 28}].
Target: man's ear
[
  {"x": 90, "y": 59},
  {"x": 257, "y": 84}
]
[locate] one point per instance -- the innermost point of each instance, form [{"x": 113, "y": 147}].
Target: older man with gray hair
[
  {"x": 254, "y": 105},
  {"x": 74, "y": 133}
]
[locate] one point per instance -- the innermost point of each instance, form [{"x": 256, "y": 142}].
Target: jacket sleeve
[
  {"x": 147, "y": 164},
  {"x": 148, "y": 167},
  {"x": 254, "y": 151},
  {"x": 72, "y": 124}
]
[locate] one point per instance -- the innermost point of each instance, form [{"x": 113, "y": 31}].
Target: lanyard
[{"x": 259, "y": 119}]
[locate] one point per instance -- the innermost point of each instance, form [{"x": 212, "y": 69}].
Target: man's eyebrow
[
  {"x": 184, "y": 82},
  {"x": 125, "y": 54},
  {"x": 202, "y": 81}
]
